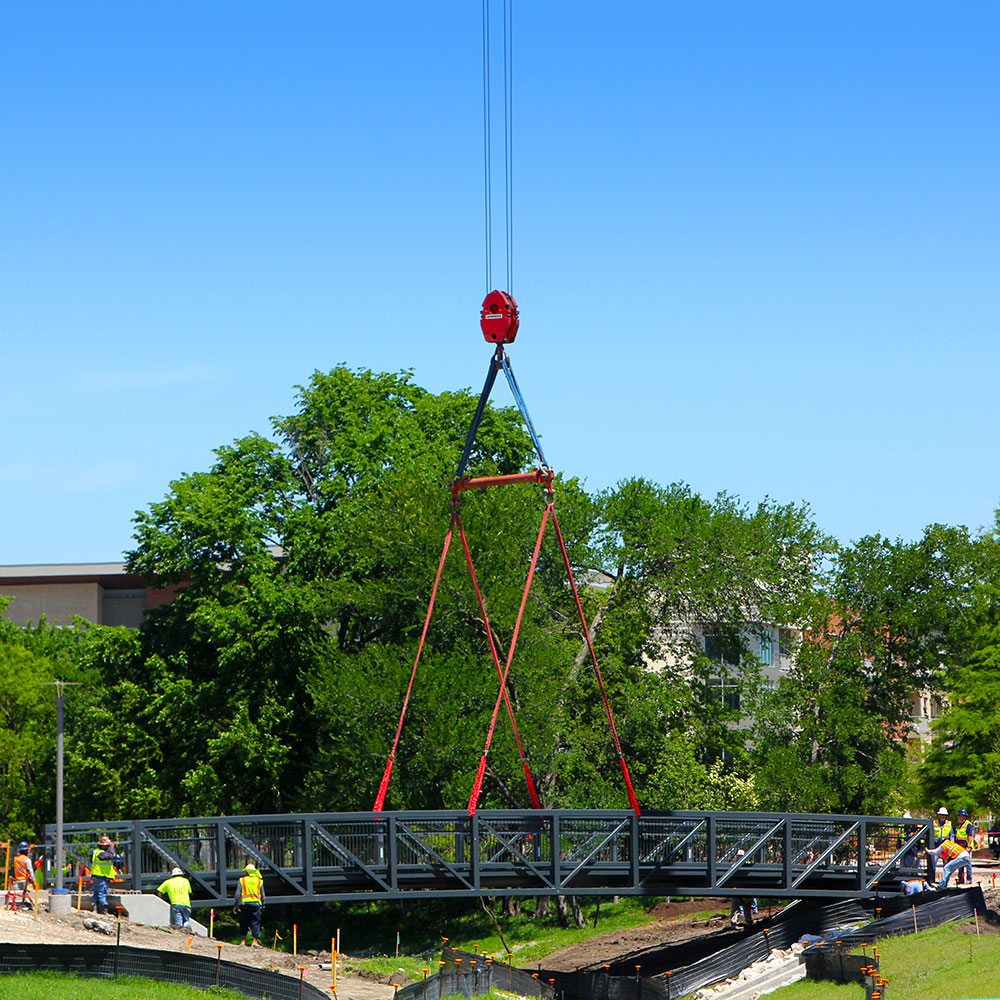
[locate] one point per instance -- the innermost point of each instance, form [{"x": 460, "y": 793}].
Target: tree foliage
[{"x": 302, "y": 564}]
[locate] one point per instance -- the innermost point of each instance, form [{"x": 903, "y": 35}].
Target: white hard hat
[
  {"x": 942, "y": 811},
  {"x": 176, "y": 871}
]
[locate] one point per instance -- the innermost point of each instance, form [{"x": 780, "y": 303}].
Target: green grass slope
[
  {"x": 51, "y": 985},
  {"x": 945, "y": 963}
]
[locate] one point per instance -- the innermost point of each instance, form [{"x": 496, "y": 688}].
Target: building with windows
[{"x": 101, "y": 593}]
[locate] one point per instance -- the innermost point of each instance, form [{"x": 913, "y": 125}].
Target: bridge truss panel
[{"x": 329, "y": 856}]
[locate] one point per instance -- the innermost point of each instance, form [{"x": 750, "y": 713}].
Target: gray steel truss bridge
[{"x": 309, "y": 857}]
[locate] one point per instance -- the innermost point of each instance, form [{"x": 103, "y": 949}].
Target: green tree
[
  {"x": 834, "y": 736},
  {"x": 962, "y": 767},
  {"x": 293, "y": 558},
  {"x": 680, "y": 567}
]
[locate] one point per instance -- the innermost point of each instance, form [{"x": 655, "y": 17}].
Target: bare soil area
[
  {"x": 24, "y": 928},
  {"x": 672, "y": 924}
]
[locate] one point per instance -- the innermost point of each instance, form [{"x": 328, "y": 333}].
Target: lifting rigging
[{"x": 499, "y": 322}]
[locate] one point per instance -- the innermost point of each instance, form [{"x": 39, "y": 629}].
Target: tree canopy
[{"x": 303, "y": 562}]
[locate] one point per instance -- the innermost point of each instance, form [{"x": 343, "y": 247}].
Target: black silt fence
[
  {"x": 94, "y": 961},
  {"x": 836, "y": 966},
  {"x": 473, "y": 980}
]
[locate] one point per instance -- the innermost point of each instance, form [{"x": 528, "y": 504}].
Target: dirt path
[
  {"x": 23, "y": 928},
  {"x": 672, "y": 923}
]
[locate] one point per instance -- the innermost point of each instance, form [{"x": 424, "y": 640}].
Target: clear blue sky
[{"x": 756, "y": 243}]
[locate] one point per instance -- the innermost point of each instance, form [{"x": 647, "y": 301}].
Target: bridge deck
[{"x": 351, "y": 856}]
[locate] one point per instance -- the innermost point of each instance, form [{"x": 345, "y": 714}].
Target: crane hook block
[{"x": 499, "y": 319}]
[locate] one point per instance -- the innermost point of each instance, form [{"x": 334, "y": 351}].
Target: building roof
[{"x": 111, "y": 576}]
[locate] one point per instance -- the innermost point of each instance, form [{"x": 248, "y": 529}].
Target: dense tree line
[{"x": 303, "y": 563}]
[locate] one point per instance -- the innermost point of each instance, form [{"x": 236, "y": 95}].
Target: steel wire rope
[
  {"x": 487, "y": 151},
  {"x": 508, "y": 149}
]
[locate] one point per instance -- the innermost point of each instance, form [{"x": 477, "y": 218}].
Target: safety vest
[
  {"x": 950, "y": 850},
  {"x": 102, "y": 869},
  {"x": 22, "y": 869},
  {"x": 251, "y": 889},
  {"x": 942, "y": 831},
  {"x": 178, "y": 890},
  {"x": 963, "y": 833}
]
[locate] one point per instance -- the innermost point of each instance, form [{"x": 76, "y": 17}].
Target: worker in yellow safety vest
[
  {"x": 102, "y": 871},
  {"x": 964, "y": 833},
  {"x": 177, "y": 891},
  {"x": 250, "y": 903},
  {"x": 942, "y": 826}
]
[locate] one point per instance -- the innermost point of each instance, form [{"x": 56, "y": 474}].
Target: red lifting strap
[
  {"x": 384, "y": 786},
  {"x": 597, "y": 669},
  {"x": 503, "y": 693},
  {"x": 503, "y": 687}
]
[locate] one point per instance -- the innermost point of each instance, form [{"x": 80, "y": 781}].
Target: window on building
[
  {"x": 722, "y": 649},
  {"x": 766, "y": 649},
  {"x": 784, "y": 642},
  {"x": 725, "y": 690}
]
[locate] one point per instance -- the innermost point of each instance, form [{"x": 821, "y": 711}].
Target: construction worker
[
  {"x": 102, "y": 870},
  {"x": 942, "y": 831},
  {"x": 250, "y": 903},
  {"x": 965, "y": 831},
  {"x": 953, "y": 857},
  {"x": 914, "y": 886},
  {"x": 177, "y": 891},
  {"x": 942, "y": 826},
  {"x": 24, "y": 874}
]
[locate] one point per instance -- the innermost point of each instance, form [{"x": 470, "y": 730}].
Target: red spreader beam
[{"x": 542, "y": 476}]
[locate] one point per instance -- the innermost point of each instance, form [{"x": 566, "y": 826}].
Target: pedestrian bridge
[{"x": 307, "y": 857}]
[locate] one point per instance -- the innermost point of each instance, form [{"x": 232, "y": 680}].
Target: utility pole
[{"x": 59, "y": 685}]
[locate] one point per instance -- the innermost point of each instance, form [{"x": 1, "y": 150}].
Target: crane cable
[{"x": 508, "y": 158}]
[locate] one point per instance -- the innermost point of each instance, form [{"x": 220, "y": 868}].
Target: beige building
[{"x": 102, "y": 593}]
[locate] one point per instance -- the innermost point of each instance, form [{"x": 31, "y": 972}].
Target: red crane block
[{"x": 498, "y": 318}]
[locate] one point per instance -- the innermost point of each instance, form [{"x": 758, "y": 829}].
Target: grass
[
  {"x": 938, "y": 964},
  {"x": 530, "y": 940},
  {"x": 46, "y": 985}
]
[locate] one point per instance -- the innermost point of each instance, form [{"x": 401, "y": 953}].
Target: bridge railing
[{"x": 317, "y": 856}]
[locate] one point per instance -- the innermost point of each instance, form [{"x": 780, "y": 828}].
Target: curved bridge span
[{"x": 307, "y": 857}]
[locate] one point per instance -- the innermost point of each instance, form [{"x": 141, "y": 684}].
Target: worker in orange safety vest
[
  {"x": 24, "y": 873},
  {"x": 952, "y": 855}
]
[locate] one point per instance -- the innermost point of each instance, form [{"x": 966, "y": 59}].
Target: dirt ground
[
  {"x": 673, "y": 923},
  {"x": 23, "y": 928}
]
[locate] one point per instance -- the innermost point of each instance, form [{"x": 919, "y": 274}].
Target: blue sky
[{"x": 755, "y": 244}]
